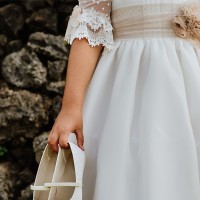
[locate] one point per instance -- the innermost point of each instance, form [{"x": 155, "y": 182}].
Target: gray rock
[
  {"x": 56, "y": 69},
  {"x": 29, "y": 99},
  {"x": 11, "y": 19},
  {"x": 3, "y": 42},
  {"x": 1, "y": 54},
  {"x": 50, "y": 2},
  {"x": 57, "y": 87},
  {"x": 56, "y": 106},
  {"x": 9, "y": 180},
  {"x": 27, "y": 175},
  {"x": 48, "y": 45},
  {"x": 43, "y": 20},
  {"x": 23, "y": 154},
  {"x": 68, "y": 1},
  {"x": 39, "y": 144},
  {"x": 23, "y": 69},
  {"x": 22, "y": 114},
  {"x": 18, "y": 143},
  {"x": 26, "y": 194},
  {"x": 14, "y": 45},
  {"x": 35, "y": 4},
  {"x": 64, "y": 11},
  {"x": 65, "y": 8}
]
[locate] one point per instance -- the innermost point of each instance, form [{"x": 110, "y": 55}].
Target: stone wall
[{"x": 33, "y": 64}]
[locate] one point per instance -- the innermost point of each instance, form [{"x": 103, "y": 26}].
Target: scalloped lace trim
[{"x": 90, "y": 24}]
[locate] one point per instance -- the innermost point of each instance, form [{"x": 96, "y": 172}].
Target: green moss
[{"x": 3, "y": 151}]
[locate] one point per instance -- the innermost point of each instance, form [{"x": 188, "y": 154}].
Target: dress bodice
[{"x": 95, "y": 20}]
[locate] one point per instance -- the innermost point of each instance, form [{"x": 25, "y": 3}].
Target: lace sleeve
[{"x": 91, "y": 19}]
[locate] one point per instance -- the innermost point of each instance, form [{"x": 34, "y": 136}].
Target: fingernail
[{"x": 83, "y": 148}]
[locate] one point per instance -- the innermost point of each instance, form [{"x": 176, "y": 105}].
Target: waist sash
[{"x": 143, "y": 21}]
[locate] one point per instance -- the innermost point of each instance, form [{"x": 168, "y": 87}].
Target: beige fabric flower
[{"x": 187, "y": 25}]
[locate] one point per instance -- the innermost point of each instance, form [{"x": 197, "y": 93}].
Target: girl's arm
[
  {"x": 82, "y": 61},
  {"x": 89, "y": 29}
]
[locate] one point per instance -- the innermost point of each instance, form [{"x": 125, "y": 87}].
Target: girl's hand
[{"x": 68, "y": 121}]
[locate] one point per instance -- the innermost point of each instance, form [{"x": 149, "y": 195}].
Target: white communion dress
[{"x": 141, "y": 114}]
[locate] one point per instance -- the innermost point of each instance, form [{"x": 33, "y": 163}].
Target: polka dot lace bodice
[{"x": 91, "y": 19}]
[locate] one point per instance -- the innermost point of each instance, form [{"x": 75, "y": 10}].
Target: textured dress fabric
[{"x": 141, "y": 114}]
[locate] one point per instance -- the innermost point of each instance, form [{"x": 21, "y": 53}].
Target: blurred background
[{"x": 33, "y": 64}]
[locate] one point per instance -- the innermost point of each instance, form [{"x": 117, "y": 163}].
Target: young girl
[{"x": 132, "y": 98}]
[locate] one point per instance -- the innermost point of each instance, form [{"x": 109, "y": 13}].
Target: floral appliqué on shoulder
[{"x": 187, "y": 24}]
